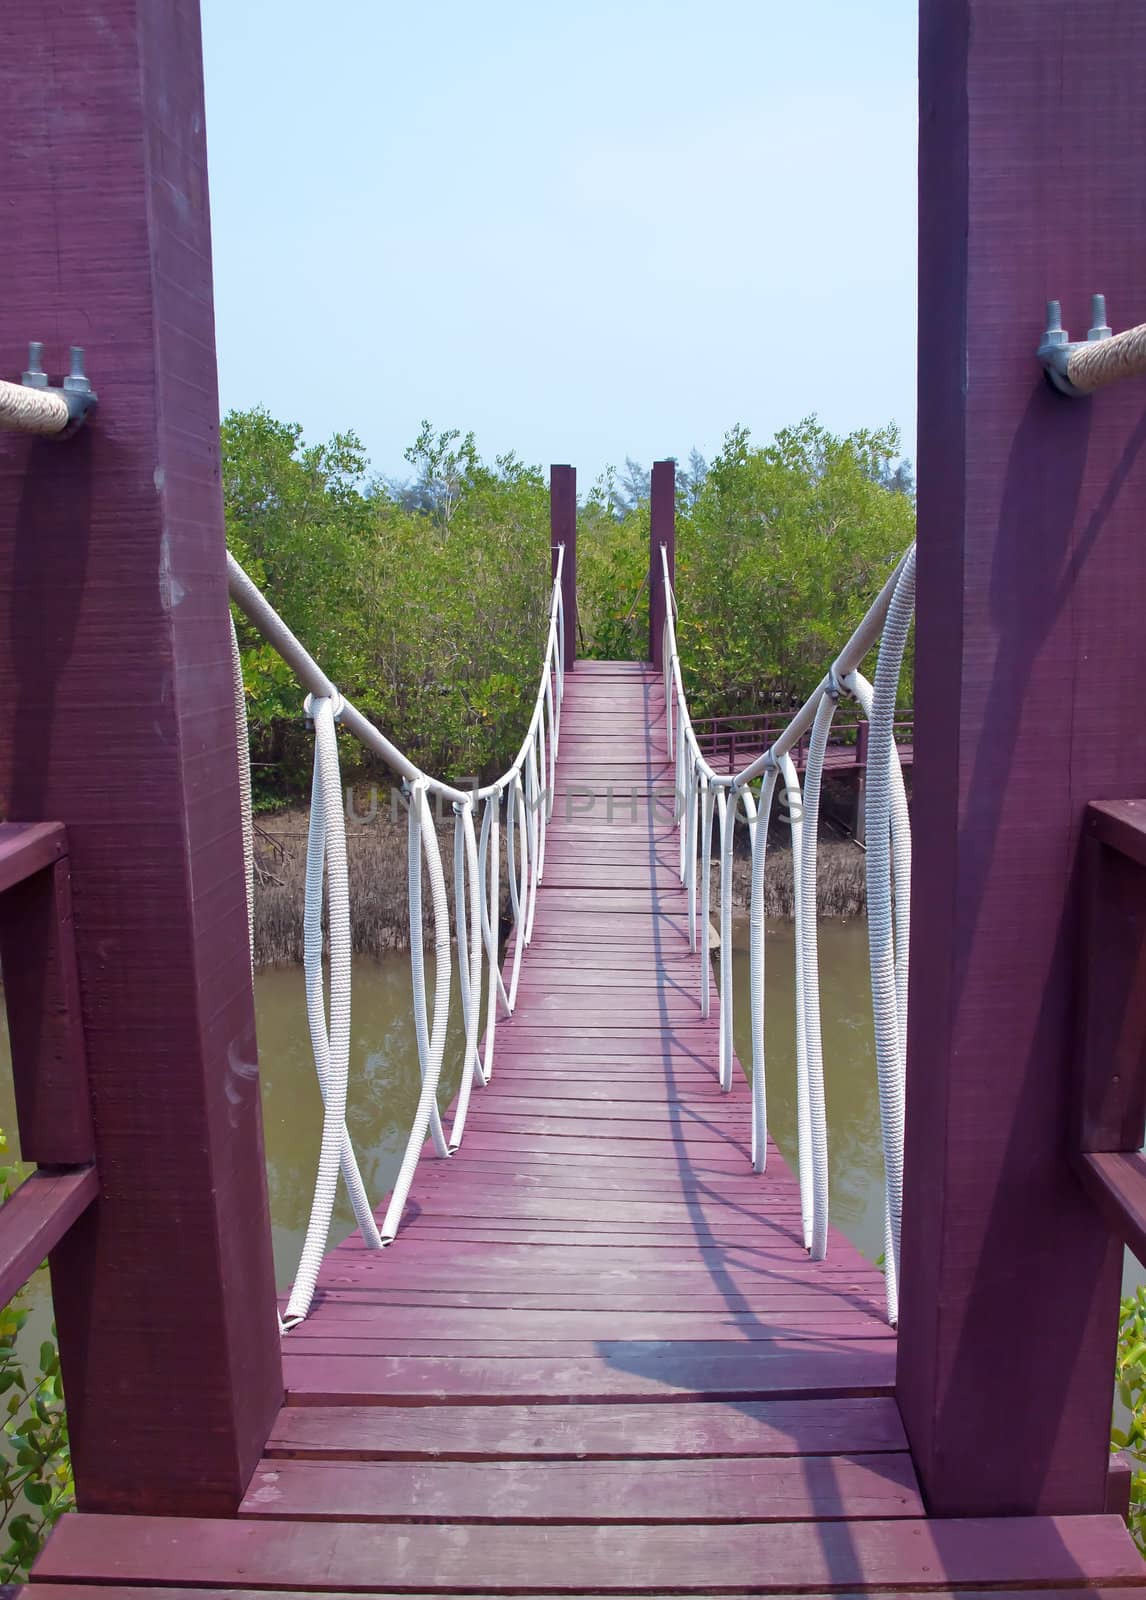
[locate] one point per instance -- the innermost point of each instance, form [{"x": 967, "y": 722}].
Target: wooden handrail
[
  {"x": 1116, "y": 1182},
  {"x": 27, "y": 848},
  {"x": 35, "y": 1218},
  {"x": 1110, "y": 1108}
]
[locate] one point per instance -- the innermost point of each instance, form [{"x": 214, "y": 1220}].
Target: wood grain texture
[
  {"x": 119, "y": 723},
  {"x": 1029, "y": 637},
  {"x": 35, "y": 1218},
  {"x": 675, "y": 1490},
  {"x": 1110, "y": 1108},
  {"x": 662, "y": 531},
  {"x": 563, "y": 531},
  {"x": 1116, "y": 1183},
  {"x": 613, "y": 1558},
  {"x": 42, "y": 1002}
]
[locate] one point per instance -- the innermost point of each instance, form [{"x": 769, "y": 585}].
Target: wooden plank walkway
[{"x": 598, "y": 1359}]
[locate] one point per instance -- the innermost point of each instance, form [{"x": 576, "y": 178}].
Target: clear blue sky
[{"x": 584, "y": 231}]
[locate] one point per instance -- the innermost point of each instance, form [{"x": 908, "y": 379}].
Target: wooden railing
[
  {"x": 1111, "y": 1105},
  {"x": 49, "y": 1069},
  {"x": 730, "y": 743}
]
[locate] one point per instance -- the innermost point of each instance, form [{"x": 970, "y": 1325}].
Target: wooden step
[{"x": 611, "y": 1558}]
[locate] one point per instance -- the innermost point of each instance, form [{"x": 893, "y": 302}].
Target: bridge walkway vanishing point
[{"x": 597, "y": 1358}]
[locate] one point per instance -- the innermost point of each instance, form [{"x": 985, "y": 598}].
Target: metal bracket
[
  {"x": 78, "y": 394},
  {"x": 1056, "y": 348}
]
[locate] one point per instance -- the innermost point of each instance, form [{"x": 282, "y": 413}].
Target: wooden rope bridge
[{"x": 597, "y": 1359}]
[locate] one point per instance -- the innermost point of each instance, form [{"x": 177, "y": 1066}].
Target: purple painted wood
[
  {"x": 785, "y": 1558},
  {"x": 1116, "y": 1183},
  {"x": 27, "y": 848},
  {"x": 116, "y": 680},
  {"x": 36, "y": 1217},
  {"x": 1031, "y": 563},
  {"x": 1111, "y": 1051},
  {"x": 42, "y": 998},
  {"x": 563, "y": 530},
  {"x": 662, "y": 531}
]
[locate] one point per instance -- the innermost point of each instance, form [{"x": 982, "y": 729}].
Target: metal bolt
[
  {"x": 1099, "y": 328},
  {"x": 35, "y": 377},
  {"x": 1055, "y": 334},
  {"x": 76, "y": 381}
]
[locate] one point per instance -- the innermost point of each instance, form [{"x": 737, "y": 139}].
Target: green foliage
[
  {"x": 425, "y": 603},
  {"x": 36, "y": 1485},
  {"x": 778, "y": 557},
  {"x": 612, "y": 574},
  {"x": 1130, "y": 1387}
]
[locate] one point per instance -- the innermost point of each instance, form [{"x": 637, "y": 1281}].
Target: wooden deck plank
[
  {"x": 775, "y": 1489},
  {"x": 83, "y": 1591},
  {"x": 589, "y": 1432},
  {"x": 609, "y": 1559}
]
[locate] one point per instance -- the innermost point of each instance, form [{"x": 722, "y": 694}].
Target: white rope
[
  {"x": 265, "y": 619},
  {"x": 517, "y": 864},
  {"x": 467, "y": 902},
  {"x": 246, "y": 808},
  {"x": 478, "y": 902},
  {"x": 706, "y": 794},
  {"x": 698, "y": 785},
  {"x": 888, "y": 910},
  {"x": 489, "y": 854},
  {"x": 691, "y": 839},
  {"x": 1098, "y": 362},
  {"x": 807, "y": 954},
  {"x": 803, "y": 1101},
  {"x": 423, "y": 843},
  {"x": 326, "y": 849},
  {"x": 727, "y": 814},
  {"x": 535, "y": 834},
  {"x": 27, "y": 410},
  {"x": 759, "y": 819}
]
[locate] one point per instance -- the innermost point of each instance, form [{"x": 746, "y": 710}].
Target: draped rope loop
[
  {"x": 699, "y": 791},
  {"x": 527, "y": 786}
]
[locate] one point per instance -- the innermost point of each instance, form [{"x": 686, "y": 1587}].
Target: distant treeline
[{"x": 425, "y": 600}]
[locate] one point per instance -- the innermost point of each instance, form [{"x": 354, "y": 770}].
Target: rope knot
[{"x": 337, "y": 704}]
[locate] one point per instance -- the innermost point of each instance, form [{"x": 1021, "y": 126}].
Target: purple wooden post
[
  {"x": 116, "y": 681},
  {"x": 662, "y": 531},
  {"x": 563, "y": 530},
  {"x": 1029, "y": 640}
]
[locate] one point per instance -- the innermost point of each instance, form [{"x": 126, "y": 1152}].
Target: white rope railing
[
  {"x": 700, "y": 791},
  {"x": 527, "y": 789}
]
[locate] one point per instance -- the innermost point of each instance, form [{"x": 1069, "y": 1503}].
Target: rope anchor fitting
[
  {"x": 34, "y": 406},
  {"x": 1079, "y": 368}
]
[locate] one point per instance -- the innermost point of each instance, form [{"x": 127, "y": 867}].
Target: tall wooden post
[
  {"x": 1030, "y": 657},
  {"x": 563, "y": 531},
  {"x": 116, "y": 681},
  {"x": 662, "y": 531}
]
